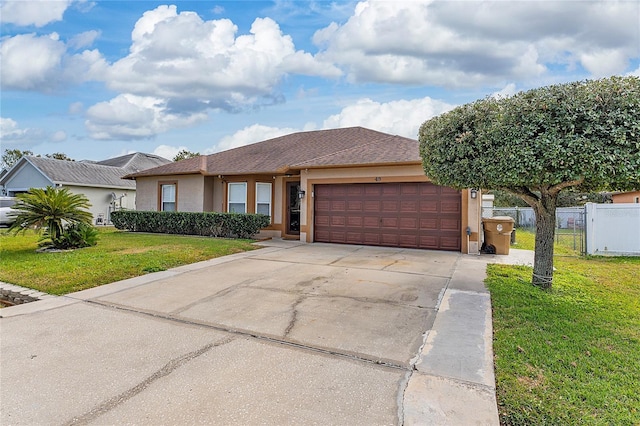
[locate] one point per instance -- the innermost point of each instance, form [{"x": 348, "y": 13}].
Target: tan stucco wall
[
  {"x": 100, "y": 199},
  {"x": 626, "y": 197},
  {"x": 146, "y": 194},
  {"x": 190, "y": 192}
]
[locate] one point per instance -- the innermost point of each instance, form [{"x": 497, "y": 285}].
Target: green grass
[
  {"x": 563, "y": 246},
  {"x": 117, "y": 256},
  {"x": 570, "y": 355}
]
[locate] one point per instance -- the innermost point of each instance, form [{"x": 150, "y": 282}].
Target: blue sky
[{"x": 99, "y": 79}]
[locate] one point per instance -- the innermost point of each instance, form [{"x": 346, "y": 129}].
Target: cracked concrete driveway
[{"x": 288, "y": 334}]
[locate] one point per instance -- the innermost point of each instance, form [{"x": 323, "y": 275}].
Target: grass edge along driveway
[
  {"x": 570, "y": 355},
  {"x": 117, "y": 256}
]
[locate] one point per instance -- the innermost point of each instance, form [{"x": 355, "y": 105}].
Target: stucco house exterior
[
  {"x": 350, "y": 185},
  {"x": 101, "y": 182},
  {"x": 626, "y": 197}
]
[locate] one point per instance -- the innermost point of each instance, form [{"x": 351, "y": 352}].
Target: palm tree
[{"x": 51, "y": 209}]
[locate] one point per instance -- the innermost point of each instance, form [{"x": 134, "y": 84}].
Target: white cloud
[
  {"x": 136, "y": 117},
  {"x": 188, "y": 66},
  {"x": 505, "y": 92},
  {"x": 30, "y": 12},
  {"x": 13, "y": 135},
  {"x": 249, "y": 135},
  {"x": 59, "y": 136},
  {"x": 179, "y": 56},
  {"x": 32, "y": 62},
  {"x": 403, "y": 117},
  {"x": 76, "y": 108},
  {"x": 604, "y": 63},
  {"x": 467, "y": 44},
  {"x": 635, "y": 73},
  {"x": 168, "y": 152},
  {"x": 84, "y": 39}
]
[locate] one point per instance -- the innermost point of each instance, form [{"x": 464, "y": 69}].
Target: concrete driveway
[{"x": 288, "y": 334}]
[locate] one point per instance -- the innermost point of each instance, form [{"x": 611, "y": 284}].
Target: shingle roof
[
  {"x": 95, "y": 174},
  {"x": 321, "y": 148},
  {"x": 135, "y": 162}
]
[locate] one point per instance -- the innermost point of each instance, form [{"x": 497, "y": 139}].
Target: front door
[{"x": 293, "y": 208}]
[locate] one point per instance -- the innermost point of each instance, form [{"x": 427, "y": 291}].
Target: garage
[{"x": 413, "y": 215}]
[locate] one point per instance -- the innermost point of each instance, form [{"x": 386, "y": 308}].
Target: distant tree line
[
  {"x": 565, "y": 199},
  {"x": 11, "y": 156}
]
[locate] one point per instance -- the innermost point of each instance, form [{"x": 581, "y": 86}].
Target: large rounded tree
[{"x": 582, "y": 135}]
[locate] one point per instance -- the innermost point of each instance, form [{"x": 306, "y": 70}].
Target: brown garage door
[{"x": 417, "y": 215}]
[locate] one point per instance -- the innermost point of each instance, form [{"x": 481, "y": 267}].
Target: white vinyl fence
[{"x": 613, "y": 229}]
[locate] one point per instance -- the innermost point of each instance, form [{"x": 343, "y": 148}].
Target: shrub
[
  {"x": 76, "y": 236},
  {"x": 54, "y": 210},
  {"x": 210, "y": 224}
]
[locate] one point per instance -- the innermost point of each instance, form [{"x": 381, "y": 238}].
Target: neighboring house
[
  {"x": 352, "y": 185},
  {"x": 626, "y": 197},
  {"x": 101, "y": 182}
]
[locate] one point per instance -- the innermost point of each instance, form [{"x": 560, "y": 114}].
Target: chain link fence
[{"x": 570, "y": 223}]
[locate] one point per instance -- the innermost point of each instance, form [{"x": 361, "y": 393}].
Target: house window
[
  {"x": 237, "y": 201},
  {"x": 263, "y": 198},
  {"x": 168, "y": 197}
]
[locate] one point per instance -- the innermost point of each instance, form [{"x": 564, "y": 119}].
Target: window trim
[
  {"x": 160, "y": 200},
  {"x": 270, "y": 198},
  {"x": 229, "y": 195}
]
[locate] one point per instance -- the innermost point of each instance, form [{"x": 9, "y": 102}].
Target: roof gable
[
  {"x": 334, "y": 147},
  {"x": 107, "y": 173}
]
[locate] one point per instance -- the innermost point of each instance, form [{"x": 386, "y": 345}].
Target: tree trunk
[{"x": 545, "y": 211}]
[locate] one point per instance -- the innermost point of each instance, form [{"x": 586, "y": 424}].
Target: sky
[{"x": 99, "y": 79}]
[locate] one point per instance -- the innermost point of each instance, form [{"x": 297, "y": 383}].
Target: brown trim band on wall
[{"x": 371, "y": 179}]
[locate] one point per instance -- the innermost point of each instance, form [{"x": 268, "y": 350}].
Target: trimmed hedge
[{"x": 225, "y": 225}]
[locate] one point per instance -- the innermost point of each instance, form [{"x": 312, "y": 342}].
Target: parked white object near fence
[{"x": 613, "y": 229}]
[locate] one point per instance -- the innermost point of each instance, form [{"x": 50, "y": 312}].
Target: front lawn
[
  {"x": 570, "y": 355},
  {"x": 118, "y": 255}
]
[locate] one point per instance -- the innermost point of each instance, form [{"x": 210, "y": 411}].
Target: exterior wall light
[
  {"x": 301, "y": 194},
  {"x": 474, "y": 194}
]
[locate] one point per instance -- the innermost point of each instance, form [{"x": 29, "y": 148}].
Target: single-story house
[
  {"x": 350, "y": 185},
  {"x": 101, "y": 182},
  {"x": 626, "y": 197}
]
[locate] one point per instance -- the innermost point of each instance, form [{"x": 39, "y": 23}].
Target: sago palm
[{"x": 50, "y": 209}]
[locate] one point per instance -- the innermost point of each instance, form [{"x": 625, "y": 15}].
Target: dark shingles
[
  {"x": 348, "y": 146},
  {"x": 96, "y": 174}
]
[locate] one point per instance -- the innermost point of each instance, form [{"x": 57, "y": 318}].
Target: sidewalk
[{"x": 454, "y": 382}]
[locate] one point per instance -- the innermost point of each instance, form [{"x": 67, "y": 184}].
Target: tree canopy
[
  {"x": 11, "y": 156},
  {"x": 184, "y": 154},
  {"x": 582, "y": 135}
]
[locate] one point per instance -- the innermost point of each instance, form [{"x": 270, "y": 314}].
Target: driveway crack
[
  {"x": 294, "y": 316},
  {"x": 168, "y": 368}
]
